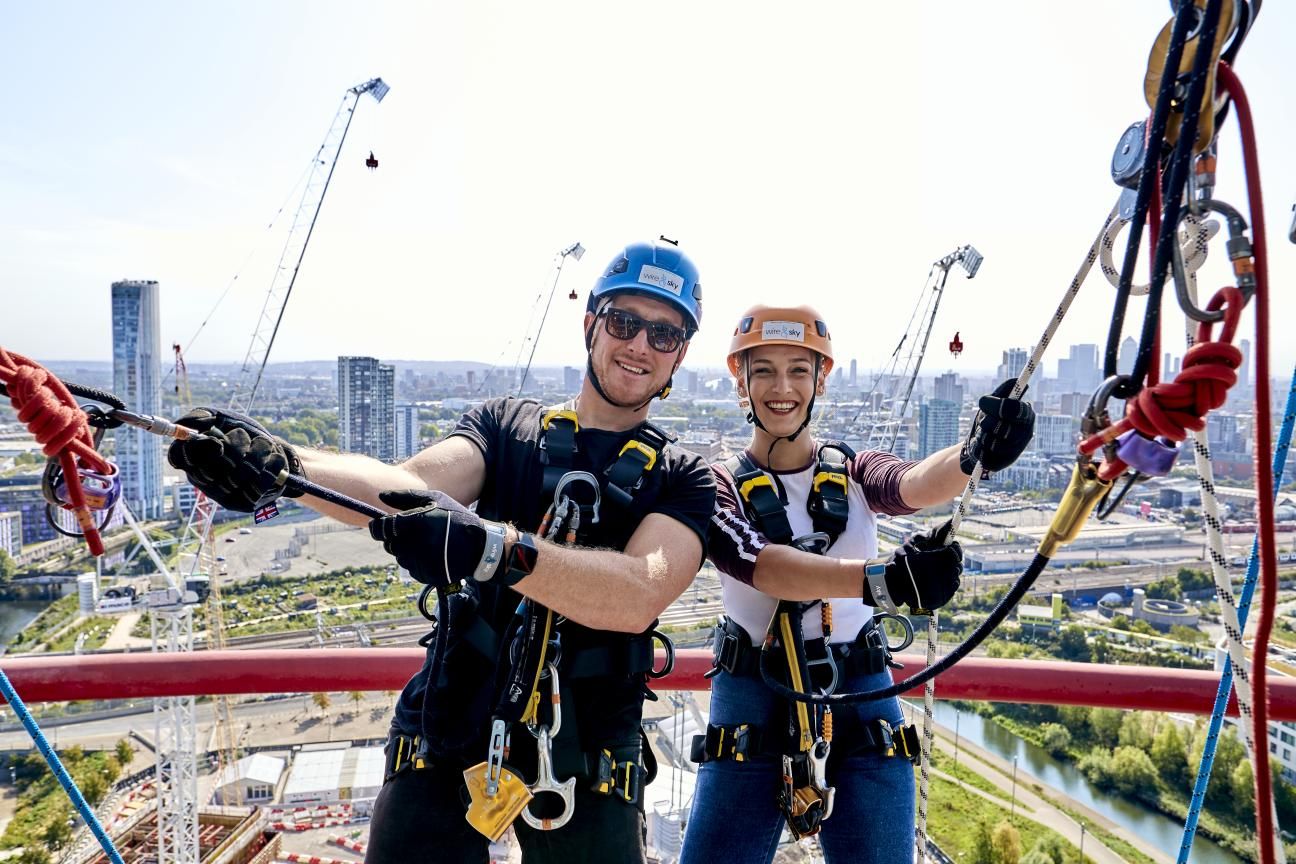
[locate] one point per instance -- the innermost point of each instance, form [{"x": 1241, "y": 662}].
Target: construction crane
[
  {"x": 887, "y": 402},
  {"x": 177, "y": 752}
]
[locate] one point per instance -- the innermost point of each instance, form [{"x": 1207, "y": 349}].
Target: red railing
[{"x": 124, "y": 676}]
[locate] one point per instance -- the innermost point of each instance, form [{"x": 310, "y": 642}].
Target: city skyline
[{"x": 461, "y": 220}]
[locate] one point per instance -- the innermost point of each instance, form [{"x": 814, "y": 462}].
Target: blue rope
[
  {"x": 1244, "y": 606},
  {"x": 60, "y": 773}
]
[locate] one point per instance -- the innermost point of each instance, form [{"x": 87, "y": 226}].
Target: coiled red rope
[
  {"x": 1172, "y": 408},
  {"x": 46, "y": 407}
]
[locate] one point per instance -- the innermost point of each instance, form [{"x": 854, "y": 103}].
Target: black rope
[
  {"x": 1142, "y": 201},
  {"x": 995, "y": 618},
  {"x": 1180, "y": 167}
]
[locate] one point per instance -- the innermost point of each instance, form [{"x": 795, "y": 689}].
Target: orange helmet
[{"x": 781, "y": 325}]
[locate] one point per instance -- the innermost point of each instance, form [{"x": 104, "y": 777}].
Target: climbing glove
[
  {"x": 1000, "y": 432},
  {"x": 439, "y": 541},
  {"x": 237, "y": 462},
  {"x": 922, "y": 574}
]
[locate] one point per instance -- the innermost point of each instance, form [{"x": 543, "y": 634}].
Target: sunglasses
[{"x": 624, "y": 325}]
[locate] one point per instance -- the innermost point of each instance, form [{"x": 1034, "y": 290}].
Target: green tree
[
  {"x": 1105, "y": 724},
  {"x": 1165, "y": 589},
  {"x": 1170, "y": 756},
  {"x": 1132, "y": 771},
  {"x": 1072, "y": 644},
  {"x": 1186, "y": 634},
  {"x": 983, "y": 851},
  {"x": 1047, "y": 850},
  {"x": 1136, "y": 730},
  {"x": 8, "y": 569},
  {"x": 1120, "y": 622},
  {"x": 356, "y": 698},
  {"x": 1096, "y": 766},
  {"x": 1228, "y": 753},
  {"x": 1194, "y": 580},
  {"x": 125, "y": 753},
  {"x": 33, "y": 855},
  {"x": 1057, "y": 738},
  {"x": 94, "y": 786},
  {"x": 1007, "y": 843},
  {"x": 57, "y": 831},
  {"x": 1098, "y": 651},
  {"x": 322, "y": 702},
  {"x": 1242, "y": 784}
]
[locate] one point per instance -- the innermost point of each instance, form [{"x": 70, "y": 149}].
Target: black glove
[
  {"x": 238, "y": 464},
  {"x": 1000, "y": 432},
  {"x": 438, "y": 540},
  {"x": 922, "y": 574}
]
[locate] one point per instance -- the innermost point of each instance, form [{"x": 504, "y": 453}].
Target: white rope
[
  {"x": 1194, "y": 237},
  {"x": 929, "y": 693},
  {"x": 1200, "y": 443}
]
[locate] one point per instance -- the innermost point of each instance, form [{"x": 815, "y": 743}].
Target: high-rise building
[
  {"x": 137, "y": 377},
  {"x": 571, "y": 379},
  {"x": 1080, "y": 372},
  {"x": 938, "y": 426},
  {"x": 692, "y": 380},
  {"x": 949, "y": 388},
  {"x": 1054, "y": 435},
  {"x": 853, "y": 379},
  {"x": 1014, "y": 361},
  {"x": 11, "y": 533},
  {"x": 366, "y": 407},
  {"x": 407, "y": 431},
  {"x": 1128, "y": 354},
  {"x": 1244, "y": 371}
]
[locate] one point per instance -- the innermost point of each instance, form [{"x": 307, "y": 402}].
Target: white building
[
  {"x": 11, "y": 533},
  {"x": 367, "y": 407},
  {"x": 251, "y": 780},
  {"x": 407, "y": 431},
  {"x": 343, "y": 773},
  {"x": 137, "y": 377},
  {"x": 1054, "y": 435}
]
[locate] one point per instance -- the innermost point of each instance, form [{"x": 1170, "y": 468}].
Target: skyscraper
[
  {"x": 407, "y": 431},
  {"x": 1014, "y": 361},
  {"x": 366, "y": 407},
  {"x": 949, "y": 389},
  {"x": 137, "y": 376},
  {"x": 854, "y": 369},
  {"x": 1128, "y": 354},
  {"x": 937, "y": 426}
]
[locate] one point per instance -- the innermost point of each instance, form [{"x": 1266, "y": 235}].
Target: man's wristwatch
[{"x": 521, "y": 560}]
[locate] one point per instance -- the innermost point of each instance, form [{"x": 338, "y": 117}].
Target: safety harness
[
  {"x": 520, "y": 671},
  {"x": 804, "y": 745}
]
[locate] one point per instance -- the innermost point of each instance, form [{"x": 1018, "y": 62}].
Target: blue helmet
[{"x": 657, "y": 270}]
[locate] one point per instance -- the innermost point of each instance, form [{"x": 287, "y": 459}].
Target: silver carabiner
[
  {"x": 571, "y": 477},
  {"x": 818, "y": 759},
  {"x": 545, "y": 781}
]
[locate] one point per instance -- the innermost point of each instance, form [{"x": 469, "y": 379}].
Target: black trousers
[{"x": 418, "y": 818}]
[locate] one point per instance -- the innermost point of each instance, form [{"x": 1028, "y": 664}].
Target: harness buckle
[
  {"x": 623, "y": 779},
  {"x": 728, "y": 649},
  {"x": 753, "y": 483},
  {"x": 649, "y": 454}
]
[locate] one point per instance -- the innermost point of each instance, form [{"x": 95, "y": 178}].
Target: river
[
  {"x": 1156, "y": 828},
  {"x": 17, "y": 614}
]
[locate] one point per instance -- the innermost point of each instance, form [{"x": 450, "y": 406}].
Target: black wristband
[{"x": 520, "y": 561}]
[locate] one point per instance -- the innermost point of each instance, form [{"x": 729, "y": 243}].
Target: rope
[
  {"x": 45, "y": 405},
  {"x": 924, "y": 760},
  {"x": 1207, "y": 761},
  {"x": 1265, "y": 823},
  {"x": 1172, "y": 408}
]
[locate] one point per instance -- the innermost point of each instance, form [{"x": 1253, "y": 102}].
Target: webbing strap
[{"x": 764, "y": 506}]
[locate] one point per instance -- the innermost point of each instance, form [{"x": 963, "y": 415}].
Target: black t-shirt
[{"x": 508, "y": 433}]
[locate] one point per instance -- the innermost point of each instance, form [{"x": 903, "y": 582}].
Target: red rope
[
  {"x": 1172, "y": 408},
  {"x": 1264, "y": 469},
  {"x": 46, "y": 407}
]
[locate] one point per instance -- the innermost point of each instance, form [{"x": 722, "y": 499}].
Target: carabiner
[
  {"x": 905, "y": 624},
  {"x": 669, "y": 647},
  {"x": 573, "y": 476},
  {"x": 1240, "y": 253}
]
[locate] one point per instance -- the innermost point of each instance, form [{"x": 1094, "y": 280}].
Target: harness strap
[
  {"x": 764, "y": 504},
  {"x": 634, "y": 656},
  {"x": 743, "y": 742},
  {"x": 829, "y": 502},
  {"x": 636, "y": 459},
  {"x": 733, "y": 652}
]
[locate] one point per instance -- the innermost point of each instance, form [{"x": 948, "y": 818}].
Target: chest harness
[
  {"x": 513, "y": 678},
  {"x": 805, "y": 741}
]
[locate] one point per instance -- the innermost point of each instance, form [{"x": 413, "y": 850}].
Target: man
[{"x": 638, "y": 541}]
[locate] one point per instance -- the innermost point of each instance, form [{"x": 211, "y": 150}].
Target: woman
[{"x": 795, "y": 522}]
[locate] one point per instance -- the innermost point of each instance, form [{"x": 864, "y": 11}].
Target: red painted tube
[{"x": 124, "y": 676}]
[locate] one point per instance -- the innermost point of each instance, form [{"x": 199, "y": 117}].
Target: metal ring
[
  {"x": 905, "y": 624},
  {"x": 670, "y": 655},
  {"x": 571, "y": 477}
]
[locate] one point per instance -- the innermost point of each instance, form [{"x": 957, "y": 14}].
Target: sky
[{"x": 823, "y": 153}]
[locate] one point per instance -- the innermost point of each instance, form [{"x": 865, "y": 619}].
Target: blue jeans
[{"x": 736, "y": 817}]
